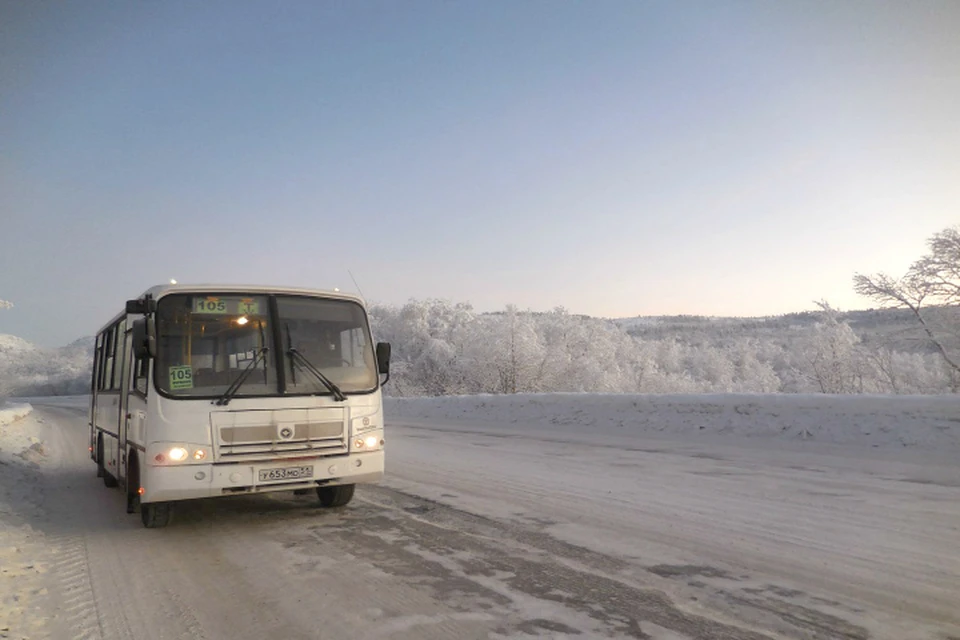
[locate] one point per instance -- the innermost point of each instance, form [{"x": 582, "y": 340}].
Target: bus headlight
[
  {"x": 368, "y": 442},
  {"x": 178, "y": 453}
]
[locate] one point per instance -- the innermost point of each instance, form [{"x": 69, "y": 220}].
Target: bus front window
[
  {"x": 205, "y": 342},
  {"x": 332, "y": 336}
]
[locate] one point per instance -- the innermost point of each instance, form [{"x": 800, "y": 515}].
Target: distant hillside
[
  {"x": 894, "y": 328},
  {"x": 26, "y": 369}
]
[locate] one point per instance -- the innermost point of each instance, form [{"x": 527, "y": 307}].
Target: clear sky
[{"x": 615, "y": 158}]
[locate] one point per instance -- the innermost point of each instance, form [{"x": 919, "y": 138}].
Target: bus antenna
[{"x": 356, "y": 285}]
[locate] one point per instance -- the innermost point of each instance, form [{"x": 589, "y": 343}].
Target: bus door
[
  {"x": 124, "y": 355},
  {"x": 107, "y": 400}
]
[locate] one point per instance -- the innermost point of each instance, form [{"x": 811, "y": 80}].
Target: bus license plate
[{"x": 287, "y": 473}]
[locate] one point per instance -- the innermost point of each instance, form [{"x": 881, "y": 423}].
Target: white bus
[{"x": 209, "y": 390}]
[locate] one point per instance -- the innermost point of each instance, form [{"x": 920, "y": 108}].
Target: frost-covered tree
[
  {"x": 517, "y": 352},
  {"x": 832, "y": 355},
  {"x": 930, "y": 290}
]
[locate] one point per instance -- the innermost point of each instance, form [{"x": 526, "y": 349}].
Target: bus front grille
[{"x": 315, "y": 438}]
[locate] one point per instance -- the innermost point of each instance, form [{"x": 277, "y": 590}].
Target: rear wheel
[
  {"x": 100, "y": 470},
  {"x": 108, "y": 480},
  {"x": 133, "y": 483},
  {"x": 336, "y": 496},
  {"x": 155, "y": 515}
]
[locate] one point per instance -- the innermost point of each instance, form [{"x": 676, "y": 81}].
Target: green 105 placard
[
  {"x": 181, "y": 377},
  {"x": 216, "y": 305},
  {"x": 210, "y": 305}
]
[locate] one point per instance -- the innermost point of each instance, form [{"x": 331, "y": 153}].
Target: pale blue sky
[{"x": 615, "y": 158}]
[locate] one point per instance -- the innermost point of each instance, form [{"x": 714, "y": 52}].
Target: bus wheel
[
  {"x": 108, "y": 480},
  {"x": 155, "y": 515},
  {"x": 336, "y": 496},
  {"x": 100, "y": 456},
  {"x": 133, "y": 483}
]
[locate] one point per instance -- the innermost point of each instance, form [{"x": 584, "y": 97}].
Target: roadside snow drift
[
  {"x": 872, "y": 421},
  {"x": 12, "y": 412}
]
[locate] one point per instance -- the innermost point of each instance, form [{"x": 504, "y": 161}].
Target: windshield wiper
[
  {"x": 301, "y": 360},
  {"x": 240, "y": 379}
]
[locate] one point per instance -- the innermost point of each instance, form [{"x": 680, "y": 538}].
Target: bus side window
[
  {"x": 97, "y": 364},
  {"x": 120, "y": 349},
  {"x": 106, "y": 371}
]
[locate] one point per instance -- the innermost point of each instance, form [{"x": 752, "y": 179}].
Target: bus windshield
[
  {"x": 205, "y": 343},
  {"x": 332, "y": 336}
]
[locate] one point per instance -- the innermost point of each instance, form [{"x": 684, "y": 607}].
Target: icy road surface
[{"x": 495, "y": 531}]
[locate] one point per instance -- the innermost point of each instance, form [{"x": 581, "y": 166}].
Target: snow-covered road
[{"x": 487, "y": 531}]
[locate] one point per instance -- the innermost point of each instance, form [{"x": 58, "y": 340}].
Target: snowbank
[
  {"x": 13, "y": 411},
  {"x": 874, "y": 421}
]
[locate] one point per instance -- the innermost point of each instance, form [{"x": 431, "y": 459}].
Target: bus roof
[{"x": 161, "y": 290}]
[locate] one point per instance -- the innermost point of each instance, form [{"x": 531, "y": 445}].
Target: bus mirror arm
[
  {"x": 142, "y": 306},
  {"x": 152, "y": 335}
]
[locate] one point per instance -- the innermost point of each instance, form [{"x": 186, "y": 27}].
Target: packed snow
[
  {"x": 23, "y": 560},
  {"x": 9, "y": 412}
]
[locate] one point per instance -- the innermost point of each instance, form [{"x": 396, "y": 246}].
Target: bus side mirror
[
  {"x": 141, "y": 346},
  {"x": 383, "y": 360},
  {"x": 144, "y": 339}
]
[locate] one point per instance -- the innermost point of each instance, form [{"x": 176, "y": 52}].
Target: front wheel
[
  {"x": 336, "y": 496},
  {"x": 155, "y": 515}
]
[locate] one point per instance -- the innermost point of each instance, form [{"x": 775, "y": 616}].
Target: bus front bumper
[{"x": 191, "y": 481}]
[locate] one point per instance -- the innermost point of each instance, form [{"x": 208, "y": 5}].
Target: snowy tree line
[
  {"x": 446, "y": 348},
  {"x": 442, "y": 348}
]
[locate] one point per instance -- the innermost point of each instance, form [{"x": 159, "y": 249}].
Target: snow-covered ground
[
  {"x": 517, "y": 517},
  {"x": 13, "y": 411},
  {"x": 23, "y": 561},
  {"x": 888, "y": 422}
]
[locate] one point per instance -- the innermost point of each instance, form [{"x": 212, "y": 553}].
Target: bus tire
[
  {"x": 155, "y": 515},
  {"x": 133, "y": 482},
  {"x": 108, "y": 480},
  {"x": 100, "y": 456},
  {"x": 336, "y": 496}
]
